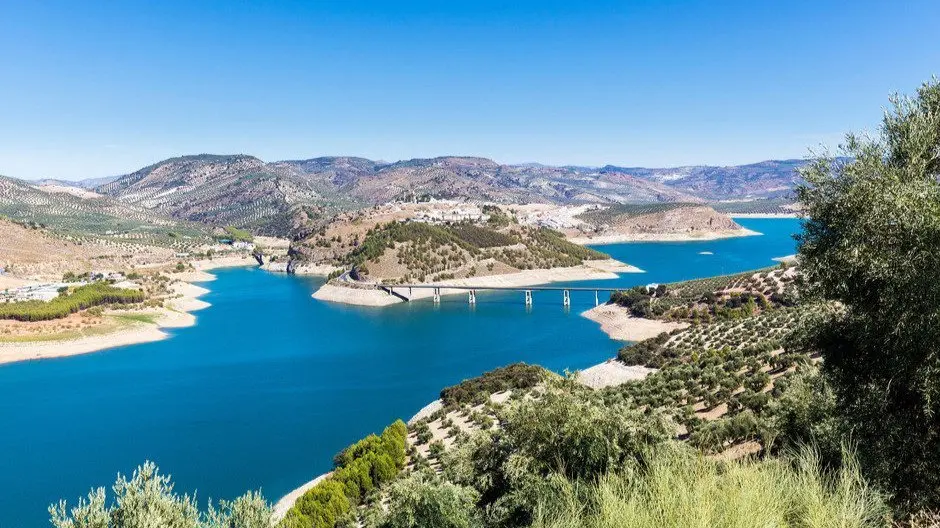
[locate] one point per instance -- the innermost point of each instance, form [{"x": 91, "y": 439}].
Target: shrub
[
  {"x": 682, "y": 488},
  {"x": 148, "y": 499},
  {"x": 422, "y": 500},
  {"x": 358, "y": 469}
]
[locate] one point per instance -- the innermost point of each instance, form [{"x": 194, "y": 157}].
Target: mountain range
[{"x": 282, "y": 197}]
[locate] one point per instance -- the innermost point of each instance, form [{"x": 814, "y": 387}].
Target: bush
[
  {"x": 422, "y": 501},
  {"x": 682, "y": 488},
  {"x": 560, "y": 433},
  {"x": 358, "y": 469},
  {"x": 148, "y": 499}
]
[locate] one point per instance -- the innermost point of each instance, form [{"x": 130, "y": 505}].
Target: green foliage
[
  {"x": 805, "y": 413},
  {"x": 322, "y": 505},
  {"x": 477, "y": 390},
  {"x": 871, "y": 243},
  {"x": 422, "y": 500},
  {"x": 384, "y": 237},
  {"x": 729, "y": 297},
  {"x": 238, "y": 235},
  {"x": 563, "y": 432},
  {"x": 248, "y": 511},
  {"x": 614, "y": 213},
  {"x": 776, "y": 206},
  {"x": 81, "y": 298},
  {"x": 428, "y": 250},
  {"x": 481, "y": 237},
  {"x": 497, "y": 218},
  {"x": 147, "y": 499},
  {"x": 679, "y": 488},
  {"x": 358, "y": 470}
]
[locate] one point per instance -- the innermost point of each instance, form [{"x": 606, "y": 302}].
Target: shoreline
[
  {"x": 374, "y": 297},
  {"x": 622, "y": 238},
  {"x": 177, "y": 313},
  {"x": 763, "y": 215},
  {"x": 285, "y": 503},
  {"x": 316, "y": 270},
  {"x": 617, "y": 323}
]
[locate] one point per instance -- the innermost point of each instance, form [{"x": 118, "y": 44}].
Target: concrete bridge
[{"x": 472, "y": 291}]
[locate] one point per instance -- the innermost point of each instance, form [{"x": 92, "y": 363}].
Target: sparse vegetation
[{"x": 476, "y": 390}]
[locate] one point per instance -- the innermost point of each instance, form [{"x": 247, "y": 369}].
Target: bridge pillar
[
  {"x": 566, "y": 300},
  {"x": 437, "y": 295},
  {"x": 472, "y": 299},
  {"x": 528, "y": 297}
]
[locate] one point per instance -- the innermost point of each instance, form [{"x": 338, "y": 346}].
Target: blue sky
[{"x": 90, "y": 89}]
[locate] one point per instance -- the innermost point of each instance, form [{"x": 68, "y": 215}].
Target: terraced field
[
  {"x": 775, "y": 206},
  {"x": 718, "y": 381},
  {"x": 608, "y": 215},
  {"x": 97, "y": 219}
]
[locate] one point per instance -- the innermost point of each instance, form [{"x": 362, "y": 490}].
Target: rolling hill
[
  {"x": 283, "y": 197},
  {"x": 234, "y": 190},
  {"x": 296, "y": 197}
]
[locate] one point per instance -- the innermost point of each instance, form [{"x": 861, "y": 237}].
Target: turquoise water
[{"x": 271, "y": 383}]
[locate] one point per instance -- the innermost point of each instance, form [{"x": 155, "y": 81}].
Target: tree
[
  {"x": 423, "y": 501},
  {"x": 871, "y": 242},
  {"x": 250, "y": 510},
  {"x": 147, "y": 500},
  {"x": 563, "y": 434}
]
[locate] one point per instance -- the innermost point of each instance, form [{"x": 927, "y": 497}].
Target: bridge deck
[{"x": 505, "y": 288}]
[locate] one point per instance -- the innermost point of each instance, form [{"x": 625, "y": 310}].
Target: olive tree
[
  {"x": 871, "y": 241},
  {"x": 424, "y": 501},
  {"x": 147, "y": 500}
]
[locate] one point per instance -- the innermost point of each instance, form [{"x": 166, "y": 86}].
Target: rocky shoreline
[{"x": 620, "y": 238}]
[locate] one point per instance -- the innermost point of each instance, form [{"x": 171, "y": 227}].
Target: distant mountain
[
  {"x": 88, "y": 183},
  {"x": 767, "y": 179},
  {"x": 282, "y": 197}
]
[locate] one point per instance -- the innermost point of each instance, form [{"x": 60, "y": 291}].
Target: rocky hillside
[
  {"x": 480, "y": 179},
  {"x": 229, "y": 190},
  {"x": 653, "y": 221}
]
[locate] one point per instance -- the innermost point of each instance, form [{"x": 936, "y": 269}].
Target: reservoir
[{"x": 271, "y": 383}]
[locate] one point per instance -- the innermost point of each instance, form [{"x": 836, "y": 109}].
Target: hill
[
  {"x": 87, "y": 183},
  {"x": 415, "y": 243},
  {"x": 481, "y": 179},
  {"x": 663, "y": 221},
  {"x": 30, "y": 251},
  {"x": 234, "y": 190},
  {"x": 81, "y": 214},
  {"x": 767, "y": 179},
  {"x": 296, "y": 196}
]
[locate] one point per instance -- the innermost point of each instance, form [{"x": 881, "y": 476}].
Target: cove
[{"x": 271, "y": 383}]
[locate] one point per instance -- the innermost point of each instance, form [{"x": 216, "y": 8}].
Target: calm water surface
[{"x": 271, "y": 383}]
